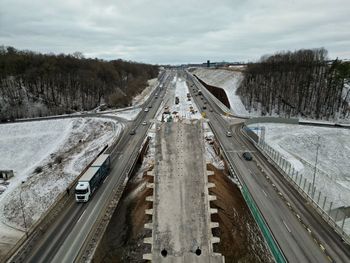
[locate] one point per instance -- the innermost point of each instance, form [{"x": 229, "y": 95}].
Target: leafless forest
[
  {"x": 33, "y": 84},
  {"x": 301, "y": 83}
]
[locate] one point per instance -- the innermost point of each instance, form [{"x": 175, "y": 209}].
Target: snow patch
[{"x": 229, "y": 81}]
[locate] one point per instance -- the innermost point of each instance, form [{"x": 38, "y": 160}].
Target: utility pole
[
  {"x": 313, "y": 179},
  {"x": 22, "y": 208}
]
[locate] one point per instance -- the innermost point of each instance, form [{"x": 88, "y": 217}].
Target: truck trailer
[{"x": 92, "y": 178}]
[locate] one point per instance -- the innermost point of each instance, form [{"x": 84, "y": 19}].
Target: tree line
[
  {"x": 34, "y": 84},
  {"x": 301, "y": 83}
]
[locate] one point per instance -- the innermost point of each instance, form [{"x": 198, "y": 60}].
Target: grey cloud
[{"x": 158, "y": 31}]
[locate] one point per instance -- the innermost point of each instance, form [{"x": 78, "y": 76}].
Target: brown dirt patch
[
  {"x": 123, "y": 239},
  {"x": 241, "y": 240}
]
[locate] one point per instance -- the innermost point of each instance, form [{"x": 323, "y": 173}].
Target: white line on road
[
  {"x": 120, "y": 156},
  {"x": 81, "y": 216},
  {"x": 286, "y": 226},
  {"x": 264, "y": 193}
]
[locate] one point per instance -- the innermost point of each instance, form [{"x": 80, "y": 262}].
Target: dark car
[
  {"x": 247, "y": 156},
  {"x": 132, "y": 132},
  {"x": 204, "y": 107}
]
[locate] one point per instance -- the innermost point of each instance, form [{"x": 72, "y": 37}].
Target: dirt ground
[
  {"x": 240, "y": 238},
  {"x": 123, "y": 240}
]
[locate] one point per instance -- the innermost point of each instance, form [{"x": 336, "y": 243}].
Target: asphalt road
[
  {"x": 64, "y": 239},
  {"x": 292, "y": 237}
]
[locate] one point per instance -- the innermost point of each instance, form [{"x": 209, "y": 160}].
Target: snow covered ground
[
  {"x": 129, "y": 114},
  {"x": 228, "y": 80},
  {"x": 298, "y": 144},
  {"x": 144, "y": 95},
  {"x": 61, "y": 148},
  {"x": 178, "y": 88}
]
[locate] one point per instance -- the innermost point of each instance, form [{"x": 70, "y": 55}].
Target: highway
[
  {"x": 296, "y": 243},
  {"x": 65, "y": 238},
  {"x": 308, "y": 239}
]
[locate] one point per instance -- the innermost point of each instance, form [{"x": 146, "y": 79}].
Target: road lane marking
[
  {"x": 81, "y": 215},
  {"x": 286, "y": 226},
  {"x": 264, "y": 193}
]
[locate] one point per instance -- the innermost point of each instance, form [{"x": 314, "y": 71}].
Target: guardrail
[
  {"x": 303, "y": 187},
  {"x": 25, "y": 244},
  {"x": 254, "y": 209},
  {"x": 94, "y": 237}
]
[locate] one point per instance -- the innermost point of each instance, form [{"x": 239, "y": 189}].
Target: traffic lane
[
  {"x": 78, "y": 235},
  {"x": 339, "y": 251},
  {"x": 72, "y": 245},
  {"x": 54, "y": 237},
  {"x": 295, "y": 242},
  {"x": 273, "y": 209}
]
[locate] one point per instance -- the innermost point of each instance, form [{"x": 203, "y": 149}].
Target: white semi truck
[{"x": 92, "y": 178}]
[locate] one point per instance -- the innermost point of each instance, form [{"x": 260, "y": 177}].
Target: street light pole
[
  {"x": 22, "y": 208},
  {"x": 313, "y": 179}
]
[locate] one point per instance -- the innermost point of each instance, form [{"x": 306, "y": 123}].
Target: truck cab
[{"x": 82, "y": 192}]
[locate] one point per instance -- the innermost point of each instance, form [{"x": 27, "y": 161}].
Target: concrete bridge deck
[{"x": 181, "y": 227}]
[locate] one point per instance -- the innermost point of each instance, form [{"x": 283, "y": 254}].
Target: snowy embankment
[
  {"x": 144, "y": 95},
  {"x": 298, "y": 144},
  {"x": 228, "y": 80},
  {"x": 46, "y": 157},
  {"x": 130, "y": 113}
]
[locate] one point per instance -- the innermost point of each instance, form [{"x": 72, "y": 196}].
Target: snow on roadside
[
  {"x": 229, "y": 81},
  {"x": 64, "y": 147},
  {"x": 130, "y": 114},
  {"x": 300, "y": 143},
  {"x": 182, "y": 110},
  {"x": 144, "y": 95}
]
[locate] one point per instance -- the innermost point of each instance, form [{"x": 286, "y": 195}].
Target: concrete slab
[{"x": 181, "y": 216}]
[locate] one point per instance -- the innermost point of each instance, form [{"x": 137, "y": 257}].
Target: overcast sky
[{"x": 182, "y": 31}]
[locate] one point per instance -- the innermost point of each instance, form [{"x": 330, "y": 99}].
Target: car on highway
[
  {"x": 146, "y": 109},
  {"x": 150, "y": 106},
  {"x": 204, "y": 107},
  {"x": 247, "y": 156},
  {"x": 205, "y": 102},
  {"x": 229, "y": 134},
  {"x": 211, "y": 110},
  {"x": 144, "y": 123},
  {"x": 132, "y": 132}
]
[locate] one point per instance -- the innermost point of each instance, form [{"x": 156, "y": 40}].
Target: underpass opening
[{"x": 164, "y": 252}]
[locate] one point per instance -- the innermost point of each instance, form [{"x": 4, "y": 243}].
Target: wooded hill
[
  {"x": 33, "y": 84},
  {"x": 301, "y": 83}
]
